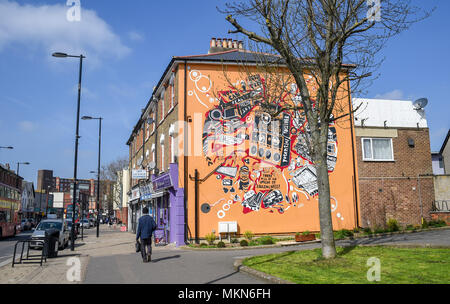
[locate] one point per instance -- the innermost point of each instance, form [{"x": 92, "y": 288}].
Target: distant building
[
  {"x": 86, "y": 192},
  {"x": 10, "y": 190},
  {"x": 45, "y": 180},
  {"x": 438, "y": 163},
  {"x": 120, "y": 197},
  {"x": 27, "y": 200}
]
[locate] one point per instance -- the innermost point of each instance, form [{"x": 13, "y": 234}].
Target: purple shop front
[{"x": 168, "y": 207}]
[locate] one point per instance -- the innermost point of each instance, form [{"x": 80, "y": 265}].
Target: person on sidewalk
[{"x": 146, "y": 227}]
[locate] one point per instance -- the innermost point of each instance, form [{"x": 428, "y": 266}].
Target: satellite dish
[
  {"x": 421, "y": 103},
  {"x": 152, "y": 165}
]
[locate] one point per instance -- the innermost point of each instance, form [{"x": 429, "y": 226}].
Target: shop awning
[
  {"x": 158, "y": 194},
  {"x": 132, "y": 202}
]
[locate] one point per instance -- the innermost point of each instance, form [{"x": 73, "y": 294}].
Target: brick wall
[
  {"x": 441, "y": 216},
  {"x": 393, "y": 189}
]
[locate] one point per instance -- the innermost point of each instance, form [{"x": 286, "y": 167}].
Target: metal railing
[
  {"x": 441, "y": 206},
  {"x": 43, "y": 255}
]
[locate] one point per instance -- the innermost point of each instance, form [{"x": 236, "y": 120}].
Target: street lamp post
[
  {"x": 98, "y": 168},
  {"x": 18, "y": 166},
  {"x": 48, "y": 194},
  {"x": 63, "y": 55}
]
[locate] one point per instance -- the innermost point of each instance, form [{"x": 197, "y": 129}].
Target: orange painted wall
[{"x": 204, "y": 82}]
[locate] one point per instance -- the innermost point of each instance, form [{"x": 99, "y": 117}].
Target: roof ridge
[{"x": 210, "y": 54}]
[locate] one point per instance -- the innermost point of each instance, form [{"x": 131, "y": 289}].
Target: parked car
[
  {"x": 25, "y": 225},
  {"x": 39, "y": 233},
  {"x": 86, "y": 223},
  {"x": 92, "y": 221}
]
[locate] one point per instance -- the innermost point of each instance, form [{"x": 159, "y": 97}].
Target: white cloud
[
  {"x": 135, "y": 36},
  {"x": 395, "y": 94},
  {"x": 47, "y": 27},
  {"x": 27, "y": 126}
]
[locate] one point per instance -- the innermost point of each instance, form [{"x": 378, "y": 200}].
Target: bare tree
[
  {"x": 109, "y": 171},
  {"x": 333, "y": 42}
]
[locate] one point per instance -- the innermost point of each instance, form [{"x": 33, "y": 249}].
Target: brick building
[
  {"x": 394, "y": 164},
  {"x": 205, "y": 118},
  {"x": 87, "y": 189},
  {"x": 10, "y": 190}
]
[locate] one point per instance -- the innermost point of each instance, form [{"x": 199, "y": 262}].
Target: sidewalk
[{"x": 110, "y": 242}]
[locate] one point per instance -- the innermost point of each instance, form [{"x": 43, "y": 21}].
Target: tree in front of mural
[{"x": 332, "y": 42}]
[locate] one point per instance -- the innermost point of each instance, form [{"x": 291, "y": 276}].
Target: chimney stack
[
  {"x": 224, "y": 43},
  {"x": 213, "y": 43},
  {"x": 217, "y": 45}
]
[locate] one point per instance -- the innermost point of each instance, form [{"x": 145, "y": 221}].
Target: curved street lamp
[
  {"x": 98, "y": 168},
  {"x": 18, "y": 166},
  {"x": 64, "y": 55}
]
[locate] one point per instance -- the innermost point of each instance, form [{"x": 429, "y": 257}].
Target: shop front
[
  {"x": 166, "y": 205},
  {"x": 134, "y": 209}
]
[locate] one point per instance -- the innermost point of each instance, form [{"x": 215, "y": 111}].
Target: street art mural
[
  {"x": 262, "y": 170},
  {"x": 272, "y": 148}
]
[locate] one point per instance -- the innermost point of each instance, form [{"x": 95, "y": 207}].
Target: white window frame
[
  {"x": 371, "y": 146},
  {"x": 172, "y": 90},
  {"x": 161, "y": 141},
  {"x": 162, "y": 101}
]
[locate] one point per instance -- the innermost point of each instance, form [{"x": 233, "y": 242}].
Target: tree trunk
[{"x": 326, "y": 223}]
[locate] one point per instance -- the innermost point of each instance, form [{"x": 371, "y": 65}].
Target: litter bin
[{"x": 51, "y": 243}]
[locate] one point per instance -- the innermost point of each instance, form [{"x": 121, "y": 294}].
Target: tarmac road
[
  {"x": 7, "y": 245},
  {"x": 177, "y": 266}
]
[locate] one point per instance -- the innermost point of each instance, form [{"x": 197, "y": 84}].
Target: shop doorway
[{"x": 162, "y": 220}]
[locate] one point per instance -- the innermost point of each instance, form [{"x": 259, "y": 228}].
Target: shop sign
[
  {"x": 162, "y": 182},
  {"x": 9, "y": 205},
  {"x": 135, "y": 194},
  {"x": 139, "y": 174},
  {"x": 146, "y": 191}
]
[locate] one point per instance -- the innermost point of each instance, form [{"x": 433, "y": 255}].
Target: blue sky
[{"x": 128, "y": 45}]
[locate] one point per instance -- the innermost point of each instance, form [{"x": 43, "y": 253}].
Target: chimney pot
[
  {"x": 235, "y": 44},
  {"x": 230, "y": 43},
  {"x": 241, "y": 45},
  {"x": 213, "y": 42},
  {"x": 224, "y": 43}
]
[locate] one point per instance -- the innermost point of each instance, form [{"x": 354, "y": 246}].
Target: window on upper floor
[
  {"x": 161, "y": 101},
  {"x": 172, "y": 90},
  {"x": 377, "y": 149}
]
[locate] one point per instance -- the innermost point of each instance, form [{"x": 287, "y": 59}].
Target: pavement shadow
[
  {"x": 166, "y": 258},
  {"x": 223, "y": 277}
]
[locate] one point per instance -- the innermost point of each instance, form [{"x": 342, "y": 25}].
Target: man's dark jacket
[{"x": 146, "y": 227}]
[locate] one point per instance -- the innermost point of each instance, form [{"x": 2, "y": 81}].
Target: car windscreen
[{"x": 49, "y": 225}]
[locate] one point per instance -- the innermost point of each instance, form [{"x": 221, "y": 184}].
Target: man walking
[{"x": 145, "y": 229}]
